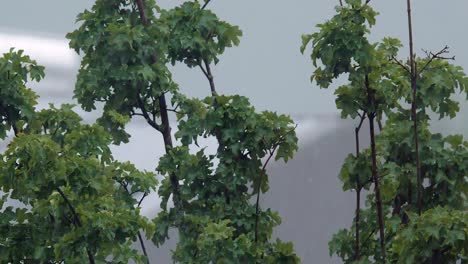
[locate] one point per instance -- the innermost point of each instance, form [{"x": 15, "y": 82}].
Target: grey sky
[{"x": 267, "y": 66}]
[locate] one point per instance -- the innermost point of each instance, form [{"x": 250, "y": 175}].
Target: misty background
[{"x": 268, "y": 68}]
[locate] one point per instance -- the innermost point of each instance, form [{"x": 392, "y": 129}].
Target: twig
[
  {"x": 143, "y": 247},
  {"x": 379, "y": 123},
  {"x": 203, "y": 70},
  {"x": 140, "y": 238},
  {"x": 358, "y": 188},
  {"x": 209, "y": 75},
  {"x": 145, "y": 114},
  {"x": 76, "y": 221},
  {"x": 432, "y": 56},
  {"x": 142, "y": 198},
  {"x": 399, "y": 63},
  {"x": 175, "y": 111},
  {"x": 257, "y": 204},
  {"x": 206, "y": 3}
]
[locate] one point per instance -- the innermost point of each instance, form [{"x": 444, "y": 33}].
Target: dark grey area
[{"x": 306, "y": 192}]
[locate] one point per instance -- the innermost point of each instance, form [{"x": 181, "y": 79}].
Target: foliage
[
  {"x": 74, "y": 202},
  {"x": 380, "y": 84},
  {"x": 219, "y": 196},
  {"x": 126, "y": 48}
]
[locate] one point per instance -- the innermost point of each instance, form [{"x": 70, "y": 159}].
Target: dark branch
[
  {"x": 203, "y": 70},
  {"x": 76, "y": 220},
  {"x": 379, "y": 122},
  {"x": 145, "y": 114},
  {"x": 209, "y": 75},
  {"x": 206, "y": 4},
  {"x": 140, "y": 238},
  {"x": 399, "y": 63},
  {"x": 12, "y": 123},
  {"x": 257, "y": 203},
  {"x": 175, "y": 111},
  {"x": 142, "y": 198},
  {"x": 358, "y": 189},
  {"x": 432, "y": 56},
  {"x": 143, "y": 247}
]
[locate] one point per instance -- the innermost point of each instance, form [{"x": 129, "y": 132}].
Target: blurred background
[{"x": 268, "y": 68}]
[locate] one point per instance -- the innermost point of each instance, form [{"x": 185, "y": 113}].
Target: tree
[
  {"x": 75, "y": 201},
  {"x": 419, "y": 178},
  {"x": 65, "y": 175}
]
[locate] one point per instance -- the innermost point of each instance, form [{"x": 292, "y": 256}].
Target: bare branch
[
  {"x": 203, "y": 70},
  {"x": 145, "y": 114},
  {"x": 76, "y": 220},
  {"x": 209, "y": 75},
  {"x": 257, "y": 204},
  {"x": 175, "y": 111},
  {"x": 142, "y": 198},
  {"x": 140, "y": 238},
  {"x": 206, "y": 3},
  {"x": 432, "y": 56},
  {"x": 358, "y": 188},
  {"x": 399, "y": 63}
]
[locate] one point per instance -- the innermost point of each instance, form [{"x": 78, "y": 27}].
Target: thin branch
[
  {"x": 400, "y": 64},
  {"x": 142, "y": 198},
  {"x": 369, "y": 237},
  {"x": 145, "y": 114},
  {"x": 204, "y": 71},
  {"x": 175, "y": 111},
  {"x": 432, "y": 56},
  {"x": 140, "y": 238},
  {"x": 257, "y": 204},
  {"x": 379, "y": 123},
  {"x": 143, "y": 247},
  {"x": 371, "y": 116},
  {"x": 363, "y": 117},
  {"x": 137, "y": 114},
  {"x": 414, "y": 105},
  {"x": 209, "y": 75},
  {"x": 341, "y": 2},
  {"x": 13, "y": 125},
  {"x": 358, "y": 189},
  {"x": 206, "y": 3},
  {"x": 76, "y": 220}
]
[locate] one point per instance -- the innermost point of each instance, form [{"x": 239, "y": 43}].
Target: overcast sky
[{"x": 267, "y": 66}]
